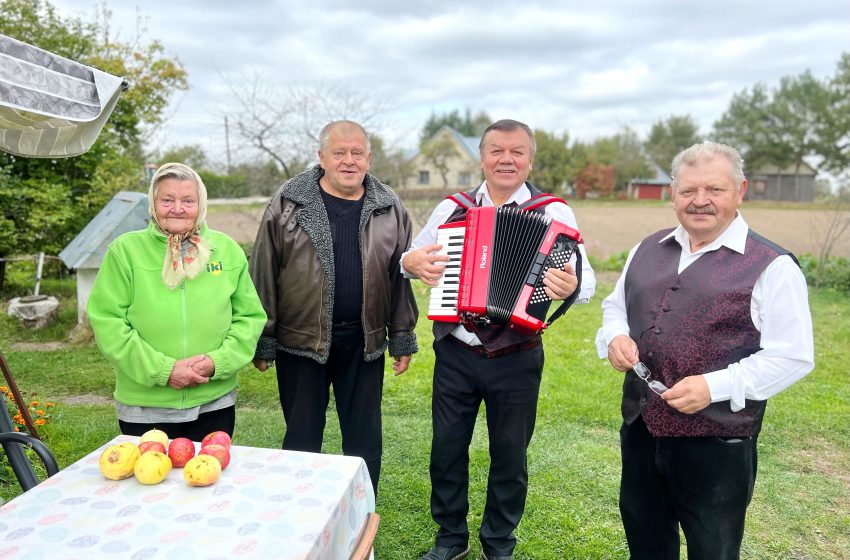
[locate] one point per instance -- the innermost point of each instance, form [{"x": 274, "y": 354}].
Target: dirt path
[{"x": 609, "y": 230}]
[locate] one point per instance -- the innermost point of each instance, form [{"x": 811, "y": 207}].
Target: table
[{"x": 268, "y": 503}]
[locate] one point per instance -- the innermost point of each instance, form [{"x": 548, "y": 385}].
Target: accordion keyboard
[{"x": 442, "y": 304}]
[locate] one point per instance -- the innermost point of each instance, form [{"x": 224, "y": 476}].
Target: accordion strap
[
  {"x": 540, "y": 200},
  {"x": 567, "y": 303},
  {"x": 465, "y": 200}
]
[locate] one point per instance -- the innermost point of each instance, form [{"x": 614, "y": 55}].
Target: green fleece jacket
[{"x": 143, "y": 327}]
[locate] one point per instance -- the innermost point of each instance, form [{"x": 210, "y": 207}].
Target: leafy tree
[
  {"x": 797, "y": 109},
  {"x": 595, "y": 177},
  {"x": 622, "y": 151},
  {"x": 192, "y": 155},
  {"x": 48, "y": 201},
  {"x": 438, "y": 152},
  {"x": 799, "y": 118},
  {"x": 467, "y": 125},
  {"x": 669, "y": 137},
  {"x": 834, "y": 125},
  {"x": 747, "y": 126},
  {"x": 389, "y": 165},
  {"x": 551, "y": 168}
]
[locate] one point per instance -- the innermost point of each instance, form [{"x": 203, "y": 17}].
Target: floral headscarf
[{"x": 186, "y": 255}]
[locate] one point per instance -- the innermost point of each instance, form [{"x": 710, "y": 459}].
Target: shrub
[{"x": 833, "y": 272}]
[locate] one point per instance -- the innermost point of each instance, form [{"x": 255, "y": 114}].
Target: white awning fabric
[{"x": 51, "y": 106}]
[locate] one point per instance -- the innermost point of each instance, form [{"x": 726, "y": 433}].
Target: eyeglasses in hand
[{"x": 643, "y": 372}]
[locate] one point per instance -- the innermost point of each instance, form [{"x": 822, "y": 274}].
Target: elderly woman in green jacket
[{"x": 173, "y": 307}]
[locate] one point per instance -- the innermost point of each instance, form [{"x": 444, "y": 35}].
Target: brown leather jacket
[{"x": 292, "y": 267}]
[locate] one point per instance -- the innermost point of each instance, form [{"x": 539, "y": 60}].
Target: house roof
[
  {"x": 805, "y": 169},
  {"x": 660, "y": 177},
  {"x": 127, "y": 211},
  {"x": 469, "y": 144}
]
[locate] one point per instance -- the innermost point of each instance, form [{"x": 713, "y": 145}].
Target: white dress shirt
[
  {"x": 554, "y": 210},
  {"x": 779, "y": 309}
]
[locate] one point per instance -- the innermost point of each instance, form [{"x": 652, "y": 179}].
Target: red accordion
[{"x": 497, "y": 258}]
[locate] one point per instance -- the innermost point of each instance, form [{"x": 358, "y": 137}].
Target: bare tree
[
  {"x": 285, "y": 124},
  {"x": 833, "y": 229}
]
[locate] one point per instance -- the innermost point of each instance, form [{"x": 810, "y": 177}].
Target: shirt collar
[
  {"x": 733, "y": 237},
  {"x": 482, "y": 198}
]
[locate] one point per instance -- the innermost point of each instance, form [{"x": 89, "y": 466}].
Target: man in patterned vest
[
  {"x": 708, "y": 320},
  {"x": 494, "y": 364}
]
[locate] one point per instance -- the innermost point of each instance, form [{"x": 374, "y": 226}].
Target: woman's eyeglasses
[{"x": 643, "y": 372}]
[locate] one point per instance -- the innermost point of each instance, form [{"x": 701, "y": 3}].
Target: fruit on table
[
  {"x": 219, "y": 438},
  {"x": 117, "y": 461},
  {"x": 220, "y": 452},
  {"x": 155, "y": 435},
  {"x": 180, "y": 450},
  {"x": 202, "y": 470},
  {"x": 152, "y": 467},
  {"x": 151, "y": 445}
]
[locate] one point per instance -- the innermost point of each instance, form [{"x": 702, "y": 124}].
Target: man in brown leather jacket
[{"x": 326, "y": 267}]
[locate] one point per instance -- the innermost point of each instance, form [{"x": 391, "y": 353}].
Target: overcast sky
[{"x": 586, "y": 68}]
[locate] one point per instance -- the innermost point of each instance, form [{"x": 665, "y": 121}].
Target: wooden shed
[
  {"x": 773, "y": 183},
  {"x": 651, "y": 188},
  {"x": 127, "y": 211}
]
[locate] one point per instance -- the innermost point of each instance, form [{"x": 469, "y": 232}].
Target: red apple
[
  {"x": 218, "y": 438},
  {"x": 150, "y": 445},
  {"x": 220, "y": 452},
  {"x": 180, "y": 451}
]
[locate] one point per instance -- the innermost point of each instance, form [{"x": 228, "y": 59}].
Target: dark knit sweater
[{"x": 344, "y": 218}]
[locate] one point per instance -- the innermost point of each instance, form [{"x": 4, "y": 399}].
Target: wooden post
[{"x": 38, "y": 273}]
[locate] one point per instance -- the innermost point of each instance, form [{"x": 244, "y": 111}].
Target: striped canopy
[{"x": 51, "y": 106}]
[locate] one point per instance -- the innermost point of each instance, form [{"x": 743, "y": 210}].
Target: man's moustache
[{"x": 705, "y": 210}]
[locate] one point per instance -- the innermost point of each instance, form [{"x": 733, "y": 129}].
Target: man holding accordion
[{"x": 488, "y": 361}]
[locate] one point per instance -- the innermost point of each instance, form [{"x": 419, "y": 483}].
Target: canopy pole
[{"x": 38, "y": 273}]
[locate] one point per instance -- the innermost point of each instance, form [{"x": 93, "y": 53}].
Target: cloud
[{"x": 587, "y": 70}]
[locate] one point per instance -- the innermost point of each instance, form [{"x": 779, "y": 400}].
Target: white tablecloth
[{"x": 268, "y": 503}]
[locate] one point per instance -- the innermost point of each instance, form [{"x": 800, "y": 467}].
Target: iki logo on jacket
[{"x": 214, "y": 267}]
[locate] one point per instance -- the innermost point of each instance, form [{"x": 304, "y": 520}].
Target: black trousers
[
  {"x": 509, "y": 386},
  {"x": 703, "y": 483},
  {"x": 223, "y": 419},
  {"x": 304, "y": 387}
]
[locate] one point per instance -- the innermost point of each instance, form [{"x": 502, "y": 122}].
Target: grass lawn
[{"x": 801, "y": 507}]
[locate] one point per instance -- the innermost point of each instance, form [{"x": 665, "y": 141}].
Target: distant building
[
  {"x": 772, "y": 183},
  {"x": 127, "y": 211},
  {"x": 651, "y": 188},
  {"x": 462, "y": 166}
]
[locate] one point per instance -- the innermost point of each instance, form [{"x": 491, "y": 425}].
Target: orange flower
[
  {"x": 35, "y": 403},
  {"x": 40, "y": 412},
  {"x": 4, "y": 389},
  {"x": 40, "y": 422},
  {"x": 49, "y": 404}
]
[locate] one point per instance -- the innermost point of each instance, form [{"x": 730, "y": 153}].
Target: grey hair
[
  {"x": 180, "y": 172},
  {"x": 709, "y": 150},
  {"x": 508, "y": 125},
  {"x": 325, "y": 134}
]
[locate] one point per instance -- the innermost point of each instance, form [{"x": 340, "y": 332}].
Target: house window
[
  {"x": 424, "y": 178},
  {"x": 464, "y": 178}
]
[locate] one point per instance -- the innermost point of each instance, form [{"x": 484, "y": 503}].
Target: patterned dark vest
[
  {"x": 491, "y": 337},
  {"x": 689, "y": 324}
]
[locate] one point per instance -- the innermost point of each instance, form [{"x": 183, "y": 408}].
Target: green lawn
[{"x": 801, "y": 508}]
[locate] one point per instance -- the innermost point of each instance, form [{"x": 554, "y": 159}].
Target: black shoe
[
  {"x": 485, "y": 556},
  {"x": 446, "y": 553}
]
